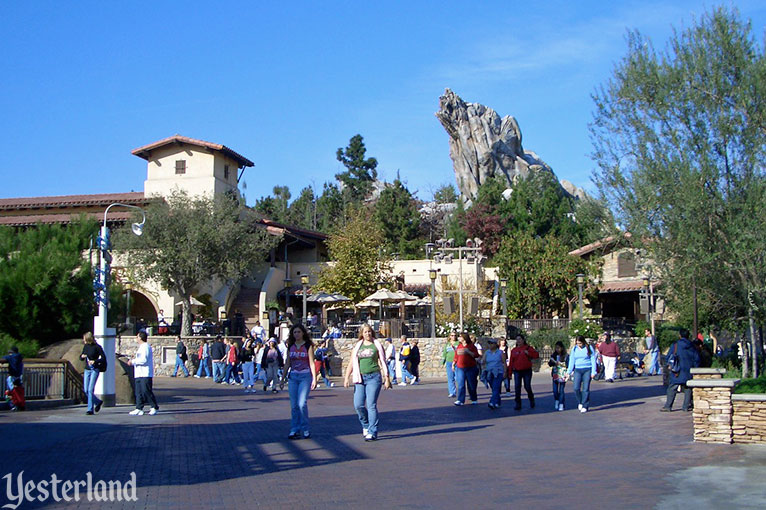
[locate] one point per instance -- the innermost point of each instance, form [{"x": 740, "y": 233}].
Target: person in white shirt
[
  {"x": 143, "y": 371},
  {"x": 257, "y": 331}
]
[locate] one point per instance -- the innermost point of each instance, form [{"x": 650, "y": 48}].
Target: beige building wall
[{"x": 205, "y": 172}]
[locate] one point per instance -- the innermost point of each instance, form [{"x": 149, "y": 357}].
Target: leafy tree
[
  {"x": 329, "y": 208},
  {"x": 274, "y": 207},
  {"x": 189, "y": 240},
  {"x": 46, "y": 292},
  {"x": 397, "y": 216},
  {"x": 302, "y": 212},
  {"x": 455, "y": 228},
  {"x": 539, "y": 206},
  {"x": 359, "y": 261},
  {"x": 360, "y": 172},
  {"x": 446, "y": 194},
  {"x": 679, "y": 139},
  {"x": 481, "y": 222},
  {"x": 542, "y": 276}
]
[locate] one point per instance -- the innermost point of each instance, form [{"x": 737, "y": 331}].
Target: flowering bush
[
  {"x": 470, "y": 326},
  {"x": 588, "y": 329}
]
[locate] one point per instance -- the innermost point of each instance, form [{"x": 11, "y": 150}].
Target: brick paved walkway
[{"x": 213, "y": 446}]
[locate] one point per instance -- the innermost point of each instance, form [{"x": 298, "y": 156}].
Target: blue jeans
[
  {"x": 248, "y": 374},
  {"x": 523, "y": 376},
  {"x": 90, "y": 376},
  {"x": 463, "y": 377},
  {"x": 298, "y": 389},
  {"x": 558, "y": 391},
  {"x": 654, "y": 362},
  {"x": 406, "y": 373},
  {"x": 392, "y": 370},
  {"x": 180, "y": 363},
  {"x": 204, "y": 367},
  {"x": 582, "y": 386},
  {"x": 366, "y": 401},
  {"x": 496, "y": 383},
  {"x": 231, "y": 370},
  {"x": 450, "y": 379},
  {"x": 218, "y": 369}
]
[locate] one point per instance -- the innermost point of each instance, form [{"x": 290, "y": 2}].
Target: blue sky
[{"x": 286, "y": 84}]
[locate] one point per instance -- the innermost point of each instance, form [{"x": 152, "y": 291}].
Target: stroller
[
  {"x": 15, "y": 396},
  {"x": 636, "y": 365}
]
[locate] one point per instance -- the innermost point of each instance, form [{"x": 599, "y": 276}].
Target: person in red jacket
[
  {"x": 466, "y": 369},
  {"x": 521, "y": 365}
]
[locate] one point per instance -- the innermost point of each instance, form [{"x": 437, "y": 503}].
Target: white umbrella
[
  {"x": 387, "y": 295},
  {"x": 194, "y": 302}
]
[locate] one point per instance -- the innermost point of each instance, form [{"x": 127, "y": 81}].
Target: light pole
[
  {"x": 503, "y": 287},
  {"x": 580, "y": 282},
  {"x": 380, "y": 305},
  {"x": 304, "y": 284},
  {"x": 287, "y": 283},
  {"x": 128, "y": 289},
  {"x": 432, "y": 276},
  {"x": 105, "y": 386}
]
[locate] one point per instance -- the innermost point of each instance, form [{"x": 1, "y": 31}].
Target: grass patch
[{"x": 757, "y": 385}]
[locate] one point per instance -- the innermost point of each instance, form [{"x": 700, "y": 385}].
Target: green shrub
[
  {"x": 548, "y": 337},
  {"x": 667, "y": 334},
  {"x": 585, "y": 328},
  {"x": 733, "y": 366},
  {"x": 640, "y": 327},
  {"x": 27, "y": 348},
  {"x": 752, "y": 385}
]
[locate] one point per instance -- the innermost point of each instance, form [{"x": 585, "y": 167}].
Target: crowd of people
[{"x": 301, "y": 364}]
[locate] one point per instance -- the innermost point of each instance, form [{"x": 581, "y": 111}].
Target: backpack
[
  {"x": 674, "y": 363},
  {"x": 406, "y": 350},
  {"x": 100, "y": 364}
]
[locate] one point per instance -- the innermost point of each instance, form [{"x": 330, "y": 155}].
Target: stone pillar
[
  {"x": 712, "y": 405},
  {"x": 749, "y": 421}
]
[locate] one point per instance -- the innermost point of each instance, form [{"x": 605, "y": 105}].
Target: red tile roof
[
  {"x": 34, "y": 219},
  {"x": 602, "y": 243},
  {"x": 71, "y": 201},
  {"x": 145, "y": 151},
  {"x": 626, "y": 286}
]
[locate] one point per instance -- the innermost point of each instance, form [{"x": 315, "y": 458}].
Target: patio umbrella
[
  {"x": 194, "y": 302},
  {"x": 387, "y": 295}
]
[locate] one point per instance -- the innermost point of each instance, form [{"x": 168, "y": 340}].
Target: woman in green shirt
[
  {"x": 448, "y": 357},
  {"x": 368, "y": 369}
]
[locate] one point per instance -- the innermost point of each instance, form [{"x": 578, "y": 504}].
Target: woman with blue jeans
[
  {"x": 369, "y": 372},
  {"x": 495, "y": 366},
  {"x": 300, "y": 372},
  {"x": 582, "y": 363},
  {"x": 91, "y": 353},
  {"x": 558, "y": 363},
  {"x": 466, "y": 371}
]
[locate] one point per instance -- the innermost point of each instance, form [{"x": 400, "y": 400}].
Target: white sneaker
[
  {"x": 402, "y": 384},
  {"x": 364, "y": 432},
  {"x": 196, "y": 376},
  {"x": 152, "y": 411},
  {"x": 332, "y": 385},
  {"x": 136, "y": 412},
  {"x": 414, "y": 381},
  {"x": 583, "y": 409},
  {"x": 579, "y": 406},
  {"x": 561, "y": 407}
]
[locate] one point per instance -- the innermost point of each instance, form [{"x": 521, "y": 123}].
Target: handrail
[{"x": 50, "y": 378}]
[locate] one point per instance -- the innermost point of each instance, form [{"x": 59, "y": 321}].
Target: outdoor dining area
[{"x": 390, "y": 312}]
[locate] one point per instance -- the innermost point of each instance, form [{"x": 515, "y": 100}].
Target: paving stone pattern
[{"x": 214, "y": 446}]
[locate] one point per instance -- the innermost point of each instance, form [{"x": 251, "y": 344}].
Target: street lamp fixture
[
  {"x": 580, "y": 283},
  {"x": 105, "y": 386},
  {"x": 503, "y": 287}
]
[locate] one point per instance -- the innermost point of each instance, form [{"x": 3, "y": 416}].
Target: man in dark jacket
[
  {"x": 688, "y": 358},
  {"x": 218, "y": 356},
  {"x": 415, "y": 361},
  {"x": 181, "y": 358},
  {"x": 15, "y": 366}
]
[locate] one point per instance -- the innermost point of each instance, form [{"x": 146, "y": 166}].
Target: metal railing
[
  {"x": 529, "y": 325},
  {"x": 47, "y": 379}
]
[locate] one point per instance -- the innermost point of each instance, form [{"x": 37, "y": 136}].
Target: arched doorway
[{"x": 140, "y": 307}]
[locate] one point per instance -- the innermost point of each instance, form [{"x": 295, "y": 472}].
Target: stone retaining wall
[
  {"x": 722, "y": 417},
  {"x": 749, "y": 418}
]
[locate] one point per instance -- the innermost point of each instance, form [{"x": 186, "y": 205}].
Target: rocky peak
[{"x": 484, "y": 145}]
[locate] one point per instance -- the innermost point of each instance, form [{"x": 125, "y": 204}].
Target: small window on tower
[
  {"x": 180, "y": 166},
  {"x": 226, "y": 172}
]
